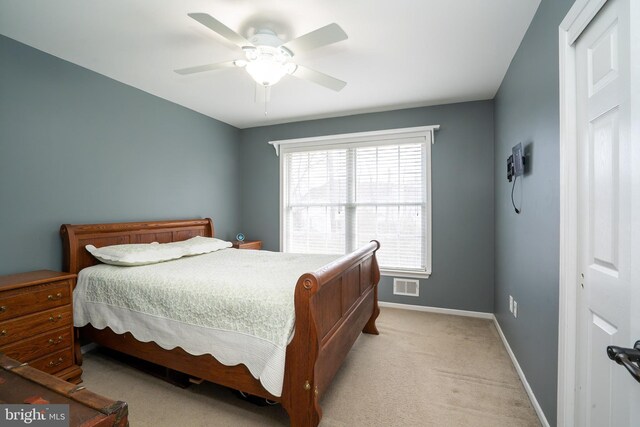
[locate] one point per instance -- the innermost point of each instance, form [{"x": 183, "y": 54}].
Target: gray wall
[
  {"x": 77, "y": 147},
  {"x": 527, "y": 245},
  {"x": 462, "y": 168}
]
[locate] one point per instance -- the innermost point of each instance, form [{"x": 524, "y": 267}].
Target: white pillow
[
  {"x": 136, "y": 254},
  {"x": 202, "y": 245},
  {"x": 150, "y": 253}
]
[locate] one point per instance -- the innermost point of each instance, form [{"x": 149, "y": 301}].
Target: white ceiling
[{"x": 400, "y": 53}]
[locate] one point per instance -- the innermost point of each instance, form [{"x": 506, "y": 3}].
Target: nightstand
[
  {"x": 36, "y": 321},
  {"x": 248, "y": 244}
]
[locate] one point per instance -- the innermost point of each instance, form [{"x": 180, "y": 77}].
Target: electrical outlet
[
  {"x": 515, "y": 309},
  {"x": 510, "y": 303}
]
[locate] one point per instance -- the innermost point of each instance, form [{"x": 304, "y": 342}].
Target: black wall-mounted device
[
  {"x": 515, "y": 168},
  {"x": 515, "y": 162},
  {"x": 518, "y": 159},
  {"x": 510, "y": 168}
]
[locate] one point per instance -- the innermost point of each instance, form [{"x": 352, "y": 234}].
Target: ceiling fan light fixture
[
  {"x": 267, "y": 64},
  {"x": 251, "y": 52},
  {"x": 266, "y": 73}
]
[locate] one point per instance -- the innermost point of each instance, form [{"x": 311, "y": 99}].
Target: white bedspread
[{"x": 237, "y": 305}]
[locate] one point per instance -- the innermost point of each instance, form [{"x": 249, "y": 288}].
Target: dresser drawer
[
  {"x": 33, "y": 324},
  {"x": 38, "y": 346},
  {"x": 54, "y": 362},
  {"x": 31, "y": 299}
]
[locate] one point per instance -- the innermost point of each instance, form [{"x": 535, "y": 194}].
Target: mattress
[{"x": 236, "y": 305}]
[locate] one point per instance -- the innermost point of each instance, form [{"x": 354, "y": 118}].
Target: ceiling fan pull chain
[{"x": 266, "y": 99}]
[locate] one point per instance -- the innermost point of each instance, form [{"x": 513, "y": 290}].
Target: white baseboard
[
  {"x": 479, "y": 314},
  {"x": 525, "y": 383}
]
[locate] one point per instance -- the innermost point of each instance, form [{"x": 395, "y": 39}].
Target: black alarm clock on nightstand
[{"x": 240, "y": 237}]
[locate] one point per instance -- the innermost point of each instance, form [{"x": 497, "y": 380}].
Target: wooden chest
[
  {"x": 36, "y": 321},
  {"x": 22, "y": 384}
]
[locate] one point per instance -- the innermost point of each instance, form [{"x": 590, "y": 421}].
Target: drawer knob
[
  {"x": 56, "y": 362},
  {"x": 3, "y": 332},
  {"x": 56, "y": 318},
  {"x": 3, "y": 308},
  {"x": 54, "y": 342},
  {"x": 55, "y": 297}
]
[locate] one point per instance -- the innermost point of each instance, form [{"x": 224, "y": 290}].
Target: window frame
[{"x": 373, "y": 138}]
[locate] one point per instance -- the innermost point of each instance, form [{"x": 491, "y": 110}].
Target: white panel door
[{"x": 605, "y": 198}]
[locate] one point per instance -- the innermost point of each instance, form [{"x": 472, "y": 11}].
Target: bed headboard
[{"x": 76, "y": 237}]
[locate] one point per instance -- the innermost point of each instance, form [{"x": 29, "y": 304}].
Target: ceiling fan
[{"x": 267, "y": 58}]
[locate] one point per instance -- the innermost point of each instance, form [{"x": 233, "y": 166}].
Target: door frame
[
  {"x": 574, "y": 23},
  {"x": 579, "y": 16}
]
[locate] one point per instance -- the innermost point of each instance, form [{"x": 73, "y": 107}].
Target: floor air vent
[{"x": 409, "y": 287}]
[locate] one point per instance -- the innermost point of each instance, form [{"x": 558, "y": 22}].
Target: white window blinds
[
  {"x": 337, "y": 196},
  {"x": 317, "y": 192}
]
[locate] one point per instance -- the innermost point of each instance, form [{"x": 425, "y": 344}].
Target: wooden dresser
[{"x": 36, "y": 321}]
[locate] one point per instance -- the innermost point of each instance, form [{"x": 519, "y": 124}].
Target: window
[{"x": 337, "y": 193}]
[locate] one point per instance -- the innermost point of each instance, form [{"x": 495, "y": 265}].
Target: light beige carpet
[{"x": 423, "y": 369}]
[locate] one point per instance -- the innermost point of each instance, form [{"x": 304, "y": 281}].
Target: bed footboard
[{"x": 333, "y": 305}]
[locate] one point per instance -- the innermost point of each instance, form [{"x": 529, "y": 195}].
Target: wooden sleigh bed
[{"x": 332, "y": 306}]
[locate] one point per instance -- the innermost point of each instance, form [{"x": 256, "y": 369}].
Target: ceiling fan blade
[
  {"x": 208, "y": 67},
  {"x": 217, "y": 26},
  {"x": 319, "y": 78},
  {"x": 328, "y": 34}
]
